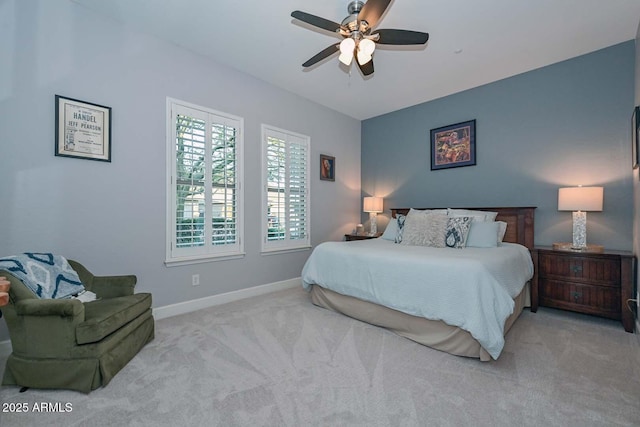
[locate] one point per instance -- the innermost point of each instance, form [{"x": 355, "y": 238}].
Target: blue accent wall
[{"x": 566, "y": 124}]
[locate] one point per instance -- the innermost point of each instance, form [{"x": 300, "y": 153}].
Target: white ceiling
[{"x": 498, "y": 39}]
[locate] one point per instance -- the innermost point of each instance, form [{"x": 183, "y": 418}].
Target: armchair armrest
[
  {"x": 105, "y": 286},
  {"x": 45, "y": 328},
  {"x": 113, "y": 286},
  {"x": 49, "y": 307}
]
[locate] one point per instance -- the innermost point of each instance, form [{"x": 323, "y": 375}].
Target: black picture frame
[
  {"x": 83, "y": 130},
  {"x": 327, "y": 168},
  {"x": 635, "y": 130},
  {"x": 453, "y": 146}
]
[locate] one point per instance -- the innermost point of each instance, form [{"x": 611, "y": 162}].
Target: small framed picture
[
  {"x": 83, "y": 130},
  {"x": 453, "y": 146},
  {"x": 327, "y": 168}
]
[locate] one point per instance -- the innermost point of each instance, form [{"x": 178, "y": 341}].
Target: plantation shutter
[
  {"x": 205, "y": 186},
  {"x": 286, "y": 190}
]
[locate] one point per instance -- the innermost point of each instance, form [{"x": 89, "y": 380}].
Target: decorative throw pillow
[
  {"x": 457, "y": 231},
  {"x": 425, "y": 230},
  {"x": 400, "y": 220},
  {"x": 477, "y": 215}
]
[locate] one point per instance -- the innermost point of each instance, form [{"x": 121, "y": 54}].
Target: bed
[{"x": 482, "y": 300}]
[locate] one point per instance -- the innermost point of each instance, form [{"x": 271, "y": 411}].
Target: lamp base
[
  {"x": 373, "y": 219},
  {"x": 565, "y": 246}
]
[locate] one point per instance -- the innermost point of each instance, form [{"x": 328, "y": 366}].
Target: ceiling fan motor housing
[{"x": 351, "y": 21}]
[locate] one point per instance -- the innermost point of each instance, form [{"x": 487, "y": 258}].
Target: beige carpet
[{"x": 277, "y": 360}]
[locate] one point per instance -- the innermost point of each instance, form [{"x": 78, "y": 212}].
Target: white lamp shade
[
  {"x": 580, "y": 199},
  {"x": 373, "y": 204}
]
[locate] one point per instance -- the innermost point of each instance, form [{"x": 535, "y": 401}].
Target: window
[
  {"x": 285, "y": 199},
  {"x": 204, "y": 214}
]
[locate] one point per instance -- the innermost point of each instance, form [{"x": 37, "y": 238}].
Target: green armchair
[{"x": 68, "y": 344}]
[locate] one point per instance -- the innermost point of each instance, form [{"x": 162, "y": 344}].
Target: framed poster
[
  {"x": 453, "y": 146},
  {"x": 327, "y": 168},
  {"x": 83, "y": 130}
]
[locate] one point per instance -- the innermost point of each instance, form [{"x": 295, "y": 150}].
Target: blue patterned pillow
[
  {"x": 400, "y": 219},
  {"x": 457, "y": 231}
]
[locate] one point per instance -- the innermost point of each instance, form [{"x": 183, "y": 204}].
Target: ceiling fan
[{"x": 356, "y": 30}]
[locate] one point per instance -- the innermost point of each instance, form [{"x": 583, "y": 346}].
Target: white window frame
[
  {"x": 286, "y": 244},
  {"x": 207, "y": 252}
]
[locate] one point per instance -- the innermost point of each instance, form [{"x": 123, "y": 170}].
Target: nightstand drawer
[
  {"x": 585, "y": 270},
  {"x": 601, "y": 300}
]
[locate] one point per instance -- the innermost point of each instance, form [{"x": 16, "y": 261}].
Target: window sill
[
  {"x": 201, "y": 259},
  {"x": 267, "y": 252}
]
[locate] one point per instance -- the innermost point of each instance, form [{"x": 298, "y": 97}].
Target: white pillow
[
  {"x": 502, "y": 231},
  {"x": 391, "y": 231},
  {"x": 483, "y": 234},
  {"x": 476, "y": 215}
]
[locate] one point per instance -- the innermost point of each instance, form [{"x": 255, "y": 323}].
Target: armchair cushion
[{"x": 102, "y": 317}]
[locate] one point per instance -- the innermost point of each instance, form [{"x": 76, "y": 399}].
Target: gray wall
[
  {"x": 561, "y": 125},
  {"x": 111, "y": 216}
]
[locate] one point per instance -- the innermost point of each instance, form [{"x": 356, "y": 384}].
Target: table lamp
[
  {"x": 579, "y": 200},
  {"x": 373, "y": 205}
]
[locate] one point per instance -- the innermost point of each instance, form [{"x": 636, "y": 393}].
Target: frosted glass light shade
[
  {"x": 367, "y": 46},
  {"x": 346, "y": 51},
  {"x": 372, "y": 204},
  {"x": 580, "y": 199}
]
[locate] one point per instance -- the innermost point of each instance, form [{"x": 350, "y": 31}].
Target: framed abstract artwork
[{"x": 453, "y": 146}]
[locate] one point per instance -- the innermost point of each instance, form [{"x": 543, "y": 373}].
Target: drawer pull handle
[
  {"x": 577, "y": 269},
  {"x": 576, "y": 295}
]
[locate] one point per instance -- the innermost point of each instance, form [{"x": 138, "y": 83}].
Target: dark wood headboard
[{"x": 519, "y": 222}]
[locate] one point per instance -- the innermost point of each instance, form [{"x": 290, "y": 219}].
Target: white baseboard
[
  {"x": 206, "y": 302},
  {"x": 199, "y": 304}
]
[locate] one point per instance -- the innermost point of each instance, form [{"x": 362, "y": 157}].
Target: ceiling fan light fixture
[
  {"x": 367, "y": 46},
  {"x": 363, "y": 57},
  {"x": 356, "y": 29},
  {"x": 346, "y": 51},
  {"x": 346, "y": 58}
]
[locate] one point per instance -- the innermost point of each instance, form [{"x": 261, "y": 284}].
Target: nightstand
[
  {"x": 350, "y": 237},
  {"x": 597, "y": 283}
]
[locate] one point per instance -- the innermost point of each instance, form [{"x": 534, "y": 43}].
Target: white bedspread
[{"x": 472, "y": 288}]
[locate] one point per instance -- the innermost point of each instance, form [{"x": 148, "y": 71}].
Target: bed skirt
[{"x": 432, "y": 333}]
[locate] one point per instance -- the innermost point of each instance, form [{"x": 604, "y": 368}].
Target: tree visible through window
[{"x": 205, "y": 189}]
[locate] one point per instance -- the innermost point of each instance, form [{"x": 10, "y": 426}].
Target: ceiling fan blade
[
  {"x": 322, "y": 54},
  {"x": 316, "y": 21},
  {"x": 372, "y": 11},
  {"x": 401, "y": 37},
  {"x": 366, "y": 68}
]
